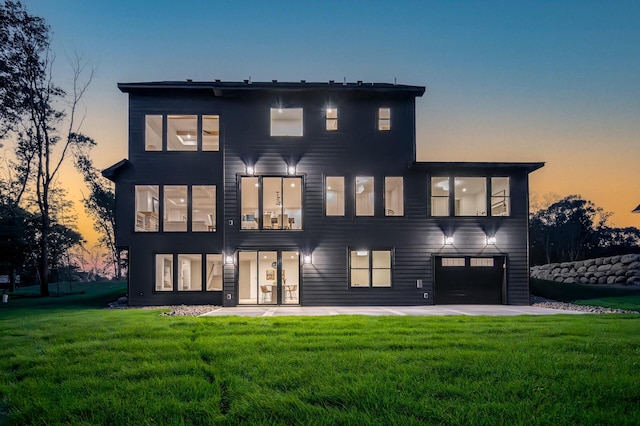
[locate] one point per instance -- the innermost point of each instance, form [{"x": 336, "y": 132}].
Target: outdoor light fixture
[
  {"x": 250, "y": 170},
  {"x": 307, "y": 259},
  {"x": 228, "y": 260},
  {"x": 292, "y": 170},
  {"x": 448, "y": 240},
  {"x": 491, "y": 240}
]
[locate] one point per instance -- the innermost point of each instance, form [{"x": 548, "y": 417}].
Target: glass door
[{"x": 268, "y": 277}]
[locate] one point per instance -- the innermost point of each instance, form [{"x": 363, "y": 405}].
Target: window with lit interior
[
  {"x": 364, "y": 196},
  {"x": 334, "y": 195},
  {"x": 153, "y": 133},
  {"x": 189, "y": 272},
  {"x": 393, "y": 196},
  {"x": 214, "y": 272},
  {"x": 182, "y": 133},
  {"x": 210, "y": 133},
  {"x": 384, "y": 119},
  {"x": 147, "y": 208},
  {"x": 470, "y": 196},
  {"x": 203, "y": 210},
  {"x": 286, "y": 122},
  {"x": 331, "y": 115},
  {"x": 164, "y": 272},
  {"x": 175, "y": 208},
  {"x": 370, "y": 268},
  {"x": 439, "y": 196},
  {"x": 282, "y": 203},
  {"x": 500, "y": 198}
]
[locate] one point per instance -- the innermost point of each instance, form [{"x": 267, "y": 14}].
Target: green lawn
[
  {"x": 572, "y": 292},
  {"x": 133, "y": 367},
  {"x": 631, "y": 303}
]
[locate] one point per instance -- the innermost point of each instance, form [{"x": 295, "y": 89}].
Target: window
[
  {"x": 393, "y": 196},
  {"x": 439, "y": 196},
  {"x": 470, "y": 196},
  {"x": 286, "y": 121},
  {"x": 189, "y": 272},
  {"x": 364, "y": 196},
  {"x": 203, "y": 208},
  {"x": 214, "y": 272},
  {"x": 250, "y": 211},
  {"x": 175, "y": 208},
  {"x": 210, "y": 133},
  {"x": 164, "y": 272},
  {"x": 147, "y": 208},
  {"x": 282, "y": 203},
  {"x": 153, "y": 133},
  {"x": 500, "y": 204},
  {"x": 331, "y": 119},
  {"x": 334, "y": 195},
  {"x": 182, "y": 133},
  {"x": 384, "y": 119},
  {"x": 453, "y": 261},
  {"x": 482, "y": 261},
  {"x": 370, "y": 268}
]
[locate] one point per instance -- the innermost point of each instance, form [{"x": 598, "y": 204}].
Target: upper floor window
[
  {"x": 370, "y": 268},
  {"x": 175, "y": 208},
  {"x": 203, "y": 208},
  {"x": 334, "y": 195},
  {"x": 153, "y": 133},
  {"x": 331, "y": 119},
  {"x": 147, "y": 207},
  {"x": 469, "y": 196},
  {"x": 393, "y": 196},
  {"x": 384, "y": 119},
  {"x": 286, "y": 122},
  {"x": 182, "y": 133},
  {"x": 364, "y": 196},
  {"x": 280, "y": 199},
  {"x": 500, "y": 198}
]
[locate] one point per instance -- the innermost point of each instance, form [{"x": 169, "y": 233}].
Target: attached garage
[{"x": 470, "y": 280}]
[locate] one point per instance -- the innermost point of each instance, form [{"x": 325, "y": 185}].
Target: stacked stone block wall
[{"x": 621, "y": 270}]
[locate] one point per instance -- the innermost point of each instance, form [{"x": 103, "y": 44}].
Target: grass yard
[
  {"x": 134, "y": 367},
  {"x": 620, "y": 297}
]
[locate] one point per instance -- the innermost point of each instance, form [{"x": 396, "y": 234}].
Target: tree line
[{"x": 40, "y": 123}]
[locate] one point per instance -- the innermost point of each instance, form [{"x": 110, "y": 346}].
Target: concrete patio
[{"x": 467, "y": 310}]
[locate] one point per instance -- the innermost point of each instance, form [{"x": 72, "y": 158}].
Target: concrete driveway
[{"x": 468, "y": 310}]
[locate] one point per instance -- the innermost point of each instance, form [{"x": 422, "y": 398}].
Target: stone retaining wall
[{"x": 623, "y": 270}]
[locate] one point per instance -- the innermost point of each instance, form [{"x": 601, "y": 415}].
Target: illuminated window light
[
  {"x": 491, "y": 240},
  {"x": 448, "y": 240}
]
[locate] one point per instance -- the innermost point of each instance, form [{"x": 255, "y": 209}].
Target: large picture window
[
  {"x": 470, "y": 196},
  {"x": 393, "y": 196},
  {"x": 286, "y": 122},
  {"x": 364, "y": 196},
  {"x": 370, "y": 268},
  {"x": 182, "y": 133},
  {"x": 334, "y": 196},
  {"x": 279, "y": 199}
]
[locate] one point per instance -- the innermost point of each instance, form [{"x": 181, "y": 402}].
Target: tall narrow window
[
  {"x": 286, "y": 122},
  {"x": 332, "y": 119},
  {"x": 164, "y": 272},
  {"x": 500, "y": 198},
  {"x": 384, "y": 119},
  {"x": 334, "y": 196},
  {"x": 370, "y": 268},
  {"x": 175, "y": 208},
  {"x": 189, "y": 272},
  {"x": 182, "y": 133},
  {"x": 282, "y": 203},
  {"x": 250, "y": 210},
  {"x": 153, "y": 133},
  {"x": 203, "y": 208},
  {"x": 364, "y": 196},
  {"x": 210, "y": 133},
  {"x": 393, "y": 196},
  {"x": 439, "y": 196},
  {"x": 470, "y": 196},
  {"x": 147, "y": 208},
  {"x": 214, "y": 272}
]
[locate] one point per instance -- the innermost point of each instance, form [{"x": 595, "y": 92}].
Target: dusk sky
[{"x": 552, "y": 81}]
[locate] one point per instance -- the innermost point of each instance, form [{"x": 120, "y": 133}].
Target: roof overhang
[
  {"x": 452, "y": 166},
  {"x": 112, "y": 172},
  {"x": 636, "y": 210}
]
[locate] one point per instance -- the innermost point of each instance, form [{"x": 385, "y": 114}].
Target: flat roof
[
  {"x": 220, "y": 87},
  {"x": 449, "y": 165}
]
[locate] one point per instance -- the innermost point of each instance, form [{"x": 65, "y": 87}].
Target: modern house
[{"x": 247, "y": 193}]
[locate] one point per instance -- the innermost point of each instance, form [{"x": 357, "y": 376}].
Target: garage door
[{"x": 468, "y": 279}]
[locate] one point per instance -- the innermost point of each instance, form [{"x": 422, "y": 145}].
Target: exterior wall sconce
[
  {"x": 491, "y": 240},
  {"x": 307, "y": 259},
  {"x": 292, "y": 170},
  {"x": 448, "y": 241},
  {"x": 250, "y": 170},
  {"x": 228, "y": 259}
]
